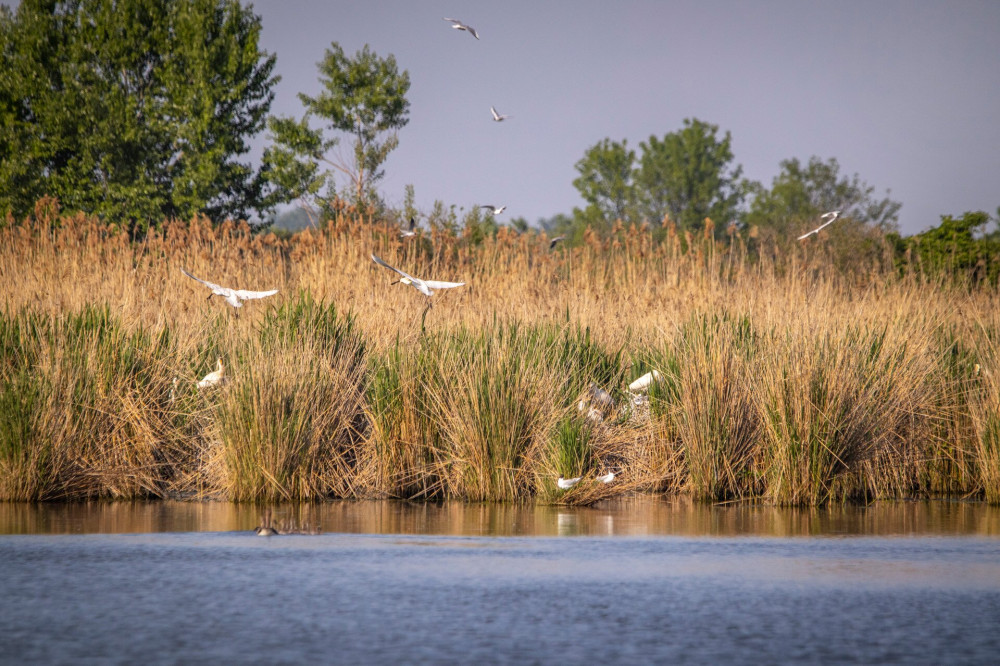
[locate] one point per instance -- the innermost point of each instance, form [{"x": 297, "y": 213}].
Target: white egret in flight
[
  {"x": 234, "y": 297},
  {"x": 833, "y": 215},
  {"x": 425, "y": 287}
]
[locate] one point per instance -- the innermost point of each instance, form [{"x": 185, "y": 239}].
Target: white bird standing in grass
[
  {"x": 499, "y": 117},
  {"x": 568, "y": 483},
  {"x": 215, "y": 377},
  {"x": 234, "y": 297},
  {"x": 833, "y": 215},
  {"x": 409, "y": 230},
  {"x": 425, "y": 287},
  {"x": 643, "y": 383},
  {"x": 458, "y": 25},
  {"x": 496, "y": 210}
]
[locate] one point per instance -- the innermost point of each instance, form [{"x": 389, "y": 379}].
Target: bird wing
[
  {"x": 435, "y": 284},
  {"x": 473, "y": 31},
  {"x": 490, "y": 207},
  {"x": 453, "y": 20},
  {"x": 210, "y": 285},
  {"x": 807, "y": 235},
  {"x": 378, "y": 260},
  {"x": 496, "y": 116},
  {"x": 245, "y": 295},
  {"x": 413, "y": 224}
]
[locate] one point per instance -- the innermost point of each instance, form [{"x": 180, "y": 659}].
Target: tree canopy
[
  {"x": 132, "y": 110},
  {"x": 363, "y": 97}
]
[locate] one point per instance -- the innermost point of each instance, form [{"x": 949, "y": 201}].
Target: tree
[
  {"x": 688, "y": 176},
  {"x": 132, "y": 110},
  {"x": 363, "y": 97},
  {"x": 799, "y": 195},
  {"x": 605, "y": 183}
]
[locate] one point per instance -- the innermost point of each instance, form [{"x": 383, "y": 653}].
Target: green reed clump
[
  {"x": 984, "y": 408},
  {"x": 83, "y": 406},
  {"x": 832, "y": 406},
  {"x": 718, "y": 423},
  {"x": 290, "y": 415},
  {"x": 404, "y": 436}
]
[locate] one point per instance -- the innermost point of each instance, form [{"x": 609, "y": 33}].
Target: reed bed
[{"x": 784, "y": 380}]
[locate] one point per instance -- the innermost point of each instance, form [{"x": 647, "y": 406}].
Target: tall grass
[{"x": 784, "y": 380}]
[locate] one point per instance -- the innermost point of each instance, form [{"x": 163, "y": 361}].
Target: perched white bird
[
  {"x": 213, "y": 378},
  {"x": 409, "y": 230},
  {"x": 234, "y": 297},
  {"x": 600, "y": 397},
  {"x": 555, "y": 241},
  {"x": 642, "y": 384},
  {"x": 833, "y": 215},
  {"x": 425, "y": 287},
  {"x": 458, "y": 25},
  {"x": 496, "y": 210},
  {"x": 499, "y": 117},
  {"x": 568, "y": 483},
  {"x": 607, "y": 478}
]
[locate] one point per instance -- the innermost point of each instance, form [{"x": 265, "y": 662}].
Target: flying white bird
[
  {"x": 833, "y": 215},
  {"x": 213, "y": 378},
  {"x": 555, "y": 241},
  {"x": 425, "y": 287},
  {"x": 458, "y": 25},
  {"x": 607, "y": 478},
  {"x": 496, "y": 210},
  {"x": 409, "y": 229},
  {"x": 234, "y": 297},
  {"x": 499, "y": 117},
  {"x": 568, "y": 483},
  {"x": 643, "y": 383}
]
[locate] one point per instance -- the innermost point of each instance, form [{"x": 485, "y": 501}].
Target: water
[{"x": 638, "y": 582}]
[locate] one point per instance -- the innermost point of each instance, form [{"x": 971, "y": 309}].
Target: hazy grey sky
[{"x": 904, "y": 93}]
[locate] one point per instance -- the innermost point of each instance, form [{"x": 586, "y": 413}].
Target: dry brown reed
[{"x": 792, "y": 382}]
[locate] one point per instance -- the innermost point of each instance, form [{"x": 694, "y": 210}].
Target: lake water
[{"x": 640, "y": 581}]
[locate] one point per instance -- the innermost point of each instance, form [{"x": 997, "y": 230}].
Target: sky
[{"x": 906, "y": 94}]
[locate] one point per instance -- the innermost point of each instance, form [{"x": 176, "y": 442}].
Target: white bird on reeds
[
  {"x": 458, "y": 25},
  {"x": 833, "y": 215},
  {"x": 499, "y": 117},
  {"x": 409, "y": 230},
  {"x": 425, "y": 287},
  {"x": 567, "y": 483},
  {"x": 234, "y": 297},
  {"x": 213, "y": 378},
  {"x": 496, "y": 210},
  {"x": 555, "y": 241},
  {"x": 642, "y": 384},
  {"x": 607, "y": 478}
]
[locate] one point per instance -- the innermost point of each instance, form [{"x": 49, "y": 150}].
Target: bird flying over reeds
[
  {"x": 425, "y": 287},
  {"x": 234, "y": 297},
  {"x": 833, "y": 215},
  {"x": 499, "y": 117}
]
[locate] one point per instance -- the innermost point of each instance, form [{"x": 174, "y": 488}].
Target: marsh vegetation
[{"x": 784, "y": 380}]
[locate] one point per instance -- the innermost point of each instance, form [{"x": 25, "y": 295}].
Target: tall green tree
[
  {"x": 363, "y": 97},
  {"x": 800, "y": 194},
  {"x": 689, "y": 175},
  {"x": 606, "y": 183},
  {"x": 133, "y": 110}
]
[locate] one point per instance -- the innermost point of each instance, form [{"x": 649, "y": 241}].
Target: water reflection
[{"x": 639, "y": 516}]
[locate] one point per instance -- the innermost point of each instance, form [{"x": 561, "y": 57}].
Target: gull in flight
[
  {"x": 499, "y": 117},
  {"x": 215, "y": 377},
  {"x": 568, "y": 483},
  {"x": 833, "y": 215},
  {"x": 234, "y": 297},
  {"x": 458, "y": 25},
  {"x": 496, "y": 210},
  {"x": 425, "y": 287},
  {"x": 555, "y": 241},
  {"x": 409, "y": 229}
]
